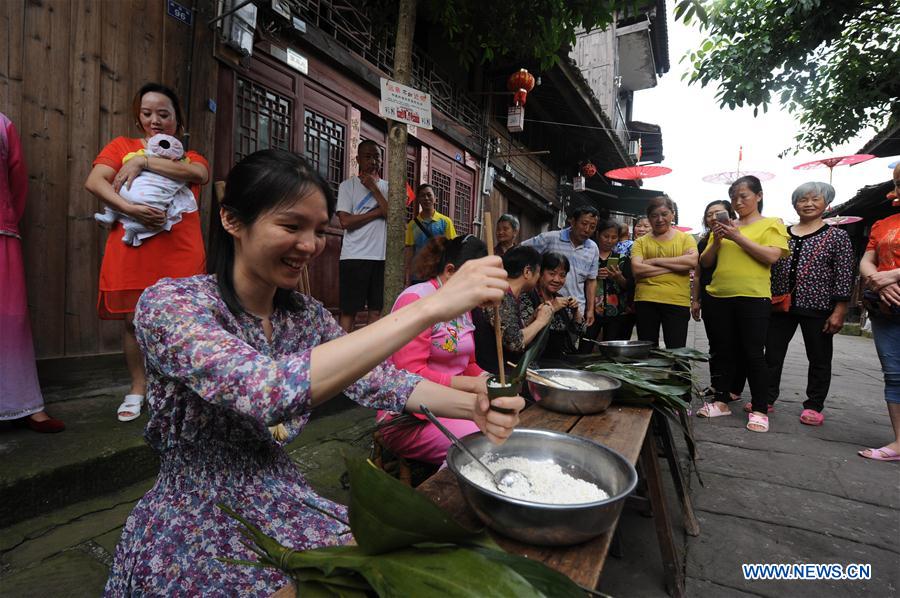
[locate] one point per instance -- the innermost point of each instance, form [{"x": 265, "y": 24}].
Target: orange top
[
  {"x": 126, "y": 271},
  {"x": 884, "y": 240}
]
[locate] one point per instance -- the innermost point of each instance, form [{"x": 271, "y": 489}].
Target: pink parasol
[
  {"x": 634, "y": 173},
  {"x": 730, "y": 176},
  {"x": 839, "y": 220},
  {"x": 683, "y": 229},
  {"x": 830, "y": 163}
]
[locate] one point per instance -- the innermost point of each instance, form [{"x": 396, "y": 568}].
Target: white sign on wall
[
  {"x": 297, "y": 61},
  {"x": 405, "y": 104}
]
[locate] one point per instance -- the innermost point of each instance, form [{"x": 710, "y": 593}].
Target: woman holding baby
[{"x": 128, "y": 269}]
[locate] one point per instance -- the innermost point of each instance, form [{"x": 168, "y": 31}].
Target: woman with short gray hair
[
  {"x": 817, "y": 279},
  {"x": 507, "y": 234}
]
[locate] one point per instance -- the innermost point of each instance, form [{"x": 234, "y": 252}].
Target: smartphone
[
  {"x": 613, "y": 261},
  {"x": 723, "y": 217}
]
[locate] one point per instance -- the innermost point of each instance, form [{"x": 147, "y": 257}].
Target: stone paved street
[{"x": 794, "y": 495}]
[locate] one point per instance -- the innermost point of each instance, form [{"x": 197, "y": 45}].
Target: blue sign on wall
[{"x": 179, "y": 12}]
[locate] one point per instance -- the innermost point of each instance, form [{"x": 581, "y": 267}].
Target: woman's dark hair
[
  {"x": 635, "y": 223},
  {"x": 606, "y": 225},
  {"x": 520, "y": 257},
  {"x": 439, "y": 251},
  {"x": 752, "y": 183},
  {"x": 552, "y": 260},
  {"x": 259, "y": 183},
  {"x": 719, "y": 202},
  {"x": 661, "y": 201},
  {"x": 166, "y": 91}
]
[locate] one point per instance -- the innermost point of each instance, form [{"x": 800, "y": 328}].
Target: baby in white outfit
[{"x": 154, "y": 190}]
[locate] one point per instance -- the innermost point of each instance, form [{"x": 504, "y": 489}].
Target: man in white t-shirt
[{"x": 362, "y": 210}]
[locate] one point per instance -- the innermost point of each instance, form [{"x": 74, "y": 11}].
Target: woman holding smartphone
[
  {"x": 740, "y": 297},
  {"x": 611, "y": 318},
  {"x": 722, "y": 211},
  {"x": 662, "y": 262}
]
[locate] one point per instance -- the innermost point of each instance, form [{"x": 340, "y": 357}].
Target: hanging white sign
[{"x": 405, "y": 104}]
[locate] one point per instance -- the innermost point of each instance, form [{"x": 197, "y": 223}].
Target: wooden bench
[{"x": 624, "y": 429}]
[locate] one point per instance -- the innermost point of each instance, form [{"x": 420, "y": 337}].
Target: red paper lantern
[
  {"x": 588, "y": 169},
  {"x": 520, "y": 83}
]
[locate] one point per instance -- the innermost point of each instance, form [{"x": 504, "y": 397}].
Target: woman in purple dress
[
  {"x": 20, "y": 393},
  {"x": 232, "y": 353}
]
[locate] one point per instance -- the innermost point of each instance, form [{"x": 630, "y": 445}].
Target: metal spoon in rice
[{"x": 504, "y": 479}]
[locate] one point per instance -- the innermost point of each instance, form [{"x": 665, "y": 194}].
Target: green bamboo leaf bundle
[{"x": 406, "y": 546}]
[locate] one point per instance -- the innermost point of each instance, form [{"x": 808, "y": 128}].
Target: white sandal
[
  {"x": 710, "y": 410},
  {"x": 132, "y": 404}
]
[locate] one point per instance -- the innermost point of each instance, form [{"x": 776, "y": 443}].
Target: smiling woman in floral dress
[{"x": 231, "y": 353}]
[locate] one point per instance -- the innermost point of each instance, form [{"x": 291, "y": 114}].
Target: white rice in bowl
[{"x": 549, "y": 483}]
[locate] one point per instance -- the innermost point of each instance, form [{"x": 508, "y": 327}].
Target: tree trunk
[{"x": 396, "y": 220}]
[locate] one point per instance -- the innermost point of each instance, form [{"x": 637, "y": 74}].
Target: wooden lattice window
[
  {"x": 441, "y": 184},
  {"x": 263, "y": 120},
  {"x": 325, "y": 144},
  {"x": 462, "y": 208}
]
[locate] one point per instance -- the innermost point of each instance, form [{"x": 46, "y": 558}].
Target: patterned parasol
[
  {"x": 830, "y": 163},
  {"x": 730, "y": 176},
  {"x": 839, "y": 220}
]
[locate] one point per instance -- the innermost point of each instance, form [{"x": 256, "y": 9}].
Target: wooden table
[{"x": 623, "y": 429}]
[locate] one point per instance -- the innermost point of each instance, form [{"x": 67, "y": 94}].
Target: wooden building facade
[
  {"x": 70, "y": 68},
  {"x": 68, "y": 72}
]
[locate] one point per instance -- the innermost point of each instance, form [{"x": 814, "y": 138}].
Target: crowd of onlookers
[{"x": 750, "y": 279}]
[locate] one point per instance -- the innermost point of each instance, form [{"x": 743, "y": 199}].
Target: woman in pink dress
[
  {"x": 443, "y": 353},
  {"x": 20, "y": 393}
]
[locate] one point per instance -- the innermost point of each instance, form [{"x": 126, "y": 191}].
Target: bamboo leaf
[
  {"x": 385, "y": 514},
  {"x": 549, "y": 582},
  {"x": 455, "y": 572},
  {"x": 531, "y": 353}
]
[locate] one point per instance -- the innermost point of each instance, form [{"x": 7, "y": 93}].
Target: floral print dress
[{"x": 214, "y": 385}]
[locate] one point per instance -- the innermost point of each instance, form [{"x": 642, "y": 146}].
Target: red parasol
[
  {"x": 839, "y": 220},
  {"x": 830, "y": 163},
  {"x": 730, "y": 176},
  {"x": 684, "y": 229},
  {"x": 634, "y": 173}
]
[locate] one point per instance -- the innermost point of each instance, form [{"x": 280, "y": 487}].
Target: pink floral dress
[{"x": 214, "y": 385}]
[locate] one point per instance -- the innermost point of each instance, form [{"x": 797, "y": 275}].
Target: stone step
[{"x": 95, "y": 455}]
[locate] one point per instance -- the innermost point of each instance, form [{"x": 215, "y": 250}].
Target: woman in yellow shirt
[
  {"x": 662, "y": 262},
  {"x": 740, "y": 297}
]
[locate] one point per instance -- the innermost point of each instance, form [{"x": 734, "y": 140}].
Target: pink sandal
[
  {"x": 757, "y": 422},
  {"x": 811, "y": 417},
  {"x": 748, "y": 407},
  {"x": 712, "y": 410},
  {"x": 879, "y": 454}
]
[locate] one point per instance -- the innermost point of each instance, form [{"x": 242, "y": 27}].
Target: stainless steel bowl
[
  {"x": 629, "y": 349},
  {"x": 547, "y": 524},
  {"x": 578, "y": 402}
]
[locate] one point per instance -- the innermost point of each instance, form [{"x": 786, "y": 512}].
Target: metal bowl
[
  {"x": 577, "y": 402},
  {"x": 548, "y": 524},
  {"x": 629, "y": 349}
]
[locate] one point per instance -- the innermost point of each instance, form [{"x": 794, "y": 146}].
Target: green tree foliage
[{"x": 835, "y": 64}]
